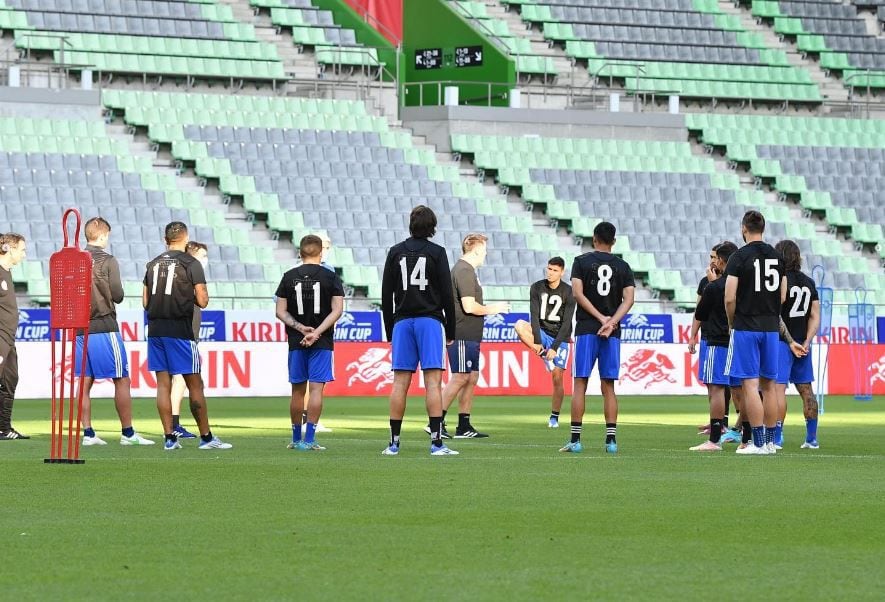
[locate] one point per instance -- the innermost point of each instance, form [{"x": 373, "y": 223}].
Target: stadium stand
[
  {"x": 685, "y": 47},
  {"x": 833, "y": 31},
  {"x": 178, "y": 39},
  {"x": 306, "y": 165},
  {"x": 47, "y": 165},
  {"x": 673, "y": 201},
  {"x": 528, "y": 62}
]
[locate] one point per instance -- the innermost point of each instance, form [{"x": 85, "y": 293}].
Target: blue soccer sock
[
  {"x": 89, "y": 432},
  {"x": 758, "y": 436},
  {"x": 779, "y": 432},
  {"x": 810, "y": 429},
  {"x": 128, "y": 431},
  {"x": 310, "y": 432},
  {"x": 296, "y": 433}
]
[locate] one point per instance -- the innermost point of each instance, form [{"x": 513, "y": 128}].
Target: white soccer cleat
[
  {"x": 87, "y": 441},
  {"x": 770, "y": 449},
  {"x": 810, "y": 445},
  {"x": 135, "y": 439},
  {"x": 706, "y": 446},
  {"x": 214, "y": 443},
  {"x": 322, "y": 428},
  {"x": 752, "y": 450},
  {"x": 442, "y": 450}
]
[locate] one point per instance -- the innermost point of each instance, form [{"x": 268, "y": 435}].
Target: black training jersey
[
  {"x": 552, "y": 310},
  {"x": 170, "y": 280},
  {"x": 417, "y": 283},
  {"x": 107, "y": 291},
  {"x": 8, "y": 307},
  {"x": 701, "y": 286},
  {"x": 308, "y": 291},
  {"x": 604, "y": 277},
  {"x": 759, "y": 270},
  {"x": 465, "y": 283},
  {"x": 711, "y": 313},
  {"x": 801, "y": 293}
]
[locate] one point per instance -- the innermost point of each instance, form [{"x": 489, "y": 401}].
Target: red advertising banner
[
  {"x": 856, "y": 369},
  {"x": 386, "y": 16}
]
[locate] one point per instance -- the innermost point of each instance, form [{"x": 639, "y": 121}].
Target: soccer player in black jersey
[
  {"x": 604, "y": 289},
  {"x": 755, "y": 289},
  {"x": 174, "y": 283},
  {"x": 711, "y": 313},
  {"x": 200, "y": 251},
  {"x": 552, "y": 312},
  {"x": 418, "y": 307},
  {"x": 801, "y": 315},
  {"x": 13, "y": 250},
  {"x": 310, "y": 299},
  {"x": 106, "y": 355}
]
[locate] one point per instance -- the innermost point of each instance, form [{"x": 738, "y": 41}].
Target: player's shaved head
[
  {"x": 604, "y": 232},
  {"x": 310, "y": 247},
  {"x": 791, "y": 253},
  {"x": 753, "y": 222},
  {"x": 95, "y": 227},
  {"x": 175, "y": 232},
  {"x": 422, "y": 222}
]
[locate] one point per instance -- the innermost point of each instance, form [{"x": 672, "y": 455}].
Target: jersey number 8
[{"x": 604, "y": 285}]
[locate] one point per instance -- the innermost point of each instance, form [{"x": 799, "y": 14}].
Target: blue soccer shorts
[
  {"x": 418, "y": 341},
  {"x": 712, "y": 367},
  {"x": 561, "y": 359},
  {"x": 792, "y": 369},
  {"x": 175, "y": 356},
  {"x": 590, "y": 349},
  {"x": 464, "y": 357},
  {"x": 314, "y": 365},
  {"x": 752, "y": 354},
  {"x": 702, "y": 355},
  {"x": 105, "y": 357}
]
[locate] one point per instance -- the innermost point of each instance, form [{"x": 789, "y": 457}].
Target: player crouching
[{"x": 310, "y": 299}]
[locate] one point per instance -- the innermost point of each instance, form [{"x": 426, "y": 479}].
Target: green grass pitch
[{"x": 510, "y": 518}]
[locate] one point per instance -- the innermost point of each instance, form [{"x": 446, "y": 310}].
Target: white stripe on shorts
[
  {"x": 730, "y": 352},
  {"x": 118, "y": 358}
]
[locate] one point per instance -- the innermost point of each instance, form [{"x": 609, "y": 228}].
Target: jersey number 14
[{"x": 418, "y": 276}]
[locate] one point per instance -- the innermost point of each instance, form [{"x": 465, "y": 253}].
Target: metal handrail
[{"x": 851, "y": 90}]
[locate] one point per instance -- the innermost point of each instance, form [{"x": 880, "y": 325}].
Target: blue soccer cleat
[
  {"x": 183, "y": 433},
  {"x": 553, "y": 423},
  {"x": 731, "y": 436},
  {"x": 442, "y": 450},
  {"x": 312, "y": 446},
  {"x": 171, "y": 445},
  {"x": 611, "y": 448},
  {"x": 573, "y": 447},
  {"x": 391, "y": 450}
]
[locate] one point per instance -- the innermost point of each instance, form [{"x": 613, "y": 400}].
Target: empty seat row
[
  {"x": 821, "y": 153},
  {"x": 129, "y": 25},
  {"x": 685, "y": 52},
  {"x": 69, "y": 178},
  {"x": 295, "y": 137},
  {"x": 124, "y": 8}
]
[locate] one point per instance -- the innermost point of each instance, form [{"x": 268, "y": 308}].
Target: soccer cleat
[
  {"x": 322, "y": 428},
  {"x": 810, "y": 445},
  {"x": 294, "y": 445},
  {"x": 11, "y": 435},
  {"x": 135, "y": 439},
  {"x": 704, "y": 430},
  {"x": 469, "y": 432},
  {"x": 706, "y": 446},
  {"x": 770, "y": 449},
  {"x": 305, "y": 446},
  {"x": 777, "y": 446},
  {"x": 214, "y": 443},
  {"x": 731, "y": 437},
  {"x": 553, "y": 423},
  {"x": 96, "y": 440},
  {"x": 752, "y": 450},
  {"x": 183, "y": 433},
  {"x": 391, "y": 450},
  {"x": 171, "y": 445},
  {"x": 442, "y": 450},
  {"x": 611, "y": 448},
  {"x": 572, "y": 447},
  {"x": 443, "y": 435}
]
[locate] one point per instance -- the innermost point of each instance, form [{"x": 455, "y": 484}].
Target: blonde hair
[
  {"x": 9, "y": 240},
  {"x": 472, "y": 240}
]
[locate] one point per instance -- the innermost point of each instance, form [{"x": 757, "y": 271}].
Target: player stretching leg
[
  {"x": 418, "y": 308},
  {"x": 201, "y": 252},
  {"x": 755, "y": 289},
  {"x": 711, "y": 313},
  {"x": 801, "y": 315},
  {"x": 552, "y": 311},
  {"x": 106, "y": 356},
  {"x": 604, "y": 289},
  {"x": 173, "y": 283},
  {"x": 310, "y": 299}
]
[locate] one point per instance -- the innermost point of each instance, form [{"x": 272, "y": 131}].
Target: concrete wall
[
  {"x": 42, "y": 102},
  {"x": 437, "y": 124}
]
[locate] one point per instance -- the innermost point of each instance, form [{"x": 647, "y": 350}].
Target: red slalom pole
[
  {"x": 62, "y": 396},
  {"x": 52, "y": 335}
]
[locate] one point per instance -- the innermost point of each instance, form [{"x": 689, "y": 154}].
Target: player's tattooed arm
[
  {"x": 795, "y": 348},
  {"x": 286, "y": 318}
]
